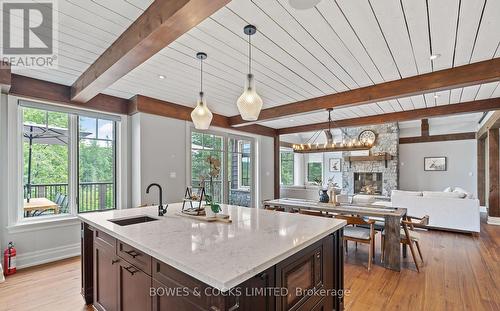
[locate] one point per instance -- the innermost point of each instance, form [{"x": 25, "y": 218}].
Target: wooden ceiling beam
[
  {"x": 60, "y": 94},
  {"x": 437, "y": 138},
  {"x": 472, "y": 74},
  {"x": 159, "y": 25},
  {"x": 424, "y": 127},
  {"x": 467, "y": 107}
]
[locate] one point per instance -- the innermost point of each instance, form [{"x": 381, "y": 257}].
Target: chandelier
[{"x": 348, "y": 144}]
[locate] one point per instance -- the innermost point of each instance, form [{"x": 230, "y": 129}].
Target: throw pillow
[
  {"x": 462, "y": 192},
  {"x": 439, "y": 194},
  {"x": 449, "y": 189}
]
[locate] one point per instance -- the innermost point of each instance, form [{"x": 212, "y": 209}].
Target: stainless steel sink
[{"x": 132, "y": 220}]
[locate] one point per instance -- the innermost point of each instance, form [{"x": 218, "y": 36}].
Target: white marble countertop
[{"x": 219, "y": 254}]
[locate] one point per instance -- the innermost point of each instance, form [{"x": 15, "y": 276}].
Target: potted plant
[{"x": 212, "y": 207}]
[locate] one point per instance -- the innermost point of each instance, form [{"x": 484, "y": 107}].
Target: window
[
  {"x": 244, "y": 164},
  {"x": 286, "y": 167},
  {"x": 68, "y": 162},
  {"x": 45, "y": 162},
  {"x": 239, "y": 168},
  {"x": 314, "y": 168},
  {"x": 203, "y": 146},
  {"x": 96, "y": 164}
]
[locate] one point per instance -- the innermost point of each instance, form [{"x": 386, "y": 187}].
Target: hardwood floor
[
  {"x": 461, "y": 272},
  {"x": 54, "y": 286}
]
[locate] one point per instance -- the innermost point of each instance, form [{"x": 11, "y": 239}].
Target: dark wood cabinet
[
  {"x": 105, "y": 280},
  {"x": 133, "y": 288},
  {"x": 305, "y": 275},
  {"x": 124, "y": 278},
  {"x": 118, "y": 284}
]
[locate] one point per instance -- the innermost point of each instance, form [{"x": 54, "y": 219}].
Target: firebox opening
[{"x": 368, "y": 183}]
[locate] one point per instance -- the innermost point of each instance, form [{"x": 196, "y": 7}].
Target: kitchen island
[{"x": 262, "y": 260}]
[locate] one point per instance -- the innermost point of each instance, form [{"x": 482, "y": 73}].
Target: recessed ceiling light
[
  {"x": 161, "y": 77},
  {"x": 435, "y": 56},
  {"x": 436, "y": 96},
  {"x": 292, "y": 120}
]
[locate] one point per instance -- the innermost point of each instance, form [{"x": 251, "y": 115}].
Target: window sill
[
  {"x": 294, "y": 187},
  {"x": 43, "y": 224}
]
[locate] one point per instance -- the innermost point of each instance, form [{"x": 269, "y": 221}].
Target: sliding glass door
[
  {"x": 240, "y": 169},
  {"x": 235, "y": 184}
]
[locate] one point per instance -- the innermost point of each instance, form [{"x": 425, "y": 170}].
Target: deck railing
[{"x": 93, "y": 196}]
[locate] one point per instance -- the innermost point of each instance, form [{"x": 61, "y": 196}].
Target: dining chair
[
  {"x": 409, "y": 236},
  {"x": 315, "y": 213},
  {"x": 58, "y": 198},
  {"x": 63, "y": 207},
  {"x": 353, "y": 232}
]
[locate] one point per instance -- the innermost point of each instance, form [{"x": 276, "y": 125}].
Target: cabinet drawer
[
  {"x": 134, "y": 256},
  {"x": 104, "y": 240}
]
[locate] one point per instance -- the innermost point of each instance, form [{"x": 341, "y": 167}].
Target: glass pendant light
[
  {"x": 249, "y": 103},
  {"x": 201, "y": 115}
]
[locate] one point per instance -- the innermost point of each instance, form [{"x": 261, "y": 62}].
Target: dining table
[
  {"x": 392, "y": 221},
  {"x": 39, "y": 205}
]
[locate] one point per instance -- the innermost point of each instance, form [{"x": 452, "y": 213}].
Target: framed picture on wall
[
  {"x": 435, "y": 163},
  {"x": 335, "y": 165}
]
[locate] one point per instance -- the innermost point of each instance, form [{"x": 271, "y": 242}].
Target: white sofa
[{"x": 445, "y": 210}]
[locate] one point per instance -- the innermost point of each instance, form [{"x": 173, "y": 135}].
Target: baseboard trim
[
  {"x": 493, "y": 221},
  {"x": 36, "y": 258}
]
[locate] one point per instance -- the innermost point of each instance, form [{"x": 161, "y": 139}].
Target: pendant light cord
[
  {"x": 201, "y": 76},
  {"x": 250, "y": 54}
]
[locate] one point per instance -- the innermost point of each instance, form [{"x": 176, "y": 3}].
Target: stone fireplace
[
  {"x": 368, "y": 183},
  {"x": 376, "y": 173}
]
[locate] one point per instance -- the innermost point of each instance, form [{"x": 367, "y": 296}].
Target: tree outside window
[
  {"x": 286, "y": 167},
  {"x": 202, "y": 146},
  {"x": 314, "y": 172}
]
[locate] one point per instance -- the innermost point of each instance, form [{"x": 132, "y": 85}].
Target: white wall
[
  {"x": 158, "y": 156},
  {"x": 265, "y": 152},
  {"x": 461, "y": 171},
  {"x": 337, "y": 176}
]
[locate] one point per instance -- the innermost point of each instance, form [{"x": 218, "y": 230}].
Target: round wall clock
[{"x": 367, "y": 135}]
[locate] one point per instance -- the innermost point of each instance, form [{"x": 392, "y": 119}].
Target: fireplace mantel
[{"x": 382, "y": 157}]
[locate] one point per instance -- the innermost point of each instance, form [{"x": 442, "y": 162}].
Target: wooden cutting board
[{"x": 219, "y": 218}]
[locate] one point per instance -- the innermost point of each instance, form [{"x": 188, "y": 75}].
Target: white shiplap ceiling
[
  {"x": 85, "y": 30},
  {"x": 336, "y": 46}
]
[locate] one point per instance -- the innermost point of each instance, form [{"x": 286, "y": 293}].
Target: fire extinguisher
[{"x": 9, "y": 260}]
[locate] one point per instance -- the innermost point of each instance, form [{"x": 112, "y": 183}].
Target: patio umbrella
[{"x": 47, "y": 135}]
